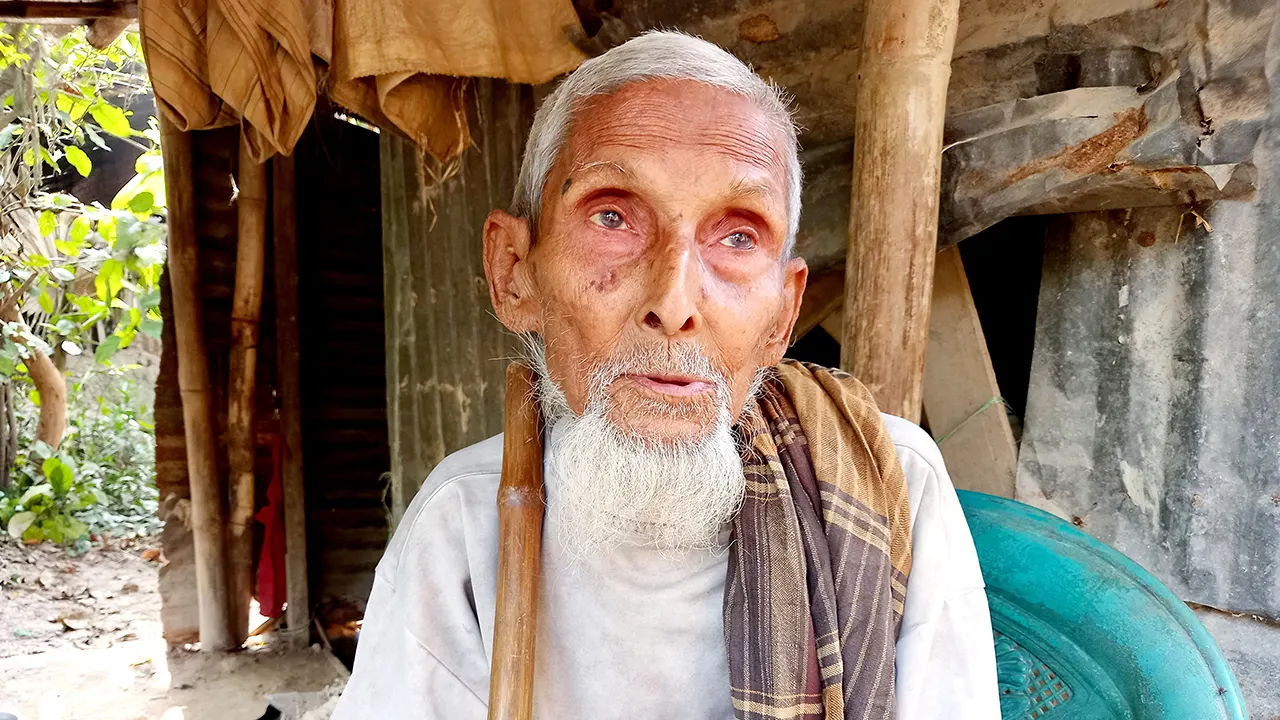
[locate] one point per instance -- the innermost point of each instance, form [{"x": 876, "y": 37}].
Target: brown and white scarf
[{"x": 821, "y": 552}]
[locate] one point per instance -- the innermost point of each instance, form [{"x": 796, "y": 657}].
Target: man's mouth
[{"x": 673, "y": 385}]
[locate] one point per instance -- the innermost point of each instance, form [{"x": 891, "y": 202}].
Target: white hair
[{"x": 654, "y": 55}]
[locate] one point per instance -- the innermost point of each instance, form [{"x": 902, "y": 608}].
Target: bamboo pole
[
  {"x": 520, "y": 511},
  {"x": 893, "y": 225},
  {"x": 193, "y": 381},
  {"x": 246, "y": 310},
  {"x": 284, "y": 238}
]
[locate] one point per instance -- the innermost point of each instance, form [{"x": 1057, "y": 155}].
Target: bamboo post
[
  {"x": 193, "y": 381},
  {"x": 246, "y": 309},
  {"x": 893, "y": 224},
  {"x": 288, "y": 362},
  {"x": 520, "y": 511}
]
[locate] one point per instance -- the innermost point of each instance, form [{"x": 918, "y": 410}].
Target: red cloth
[{"x": 271, "y": 579}]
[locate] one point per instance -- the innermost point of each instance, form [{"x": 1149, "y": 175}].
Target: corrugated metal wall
[{"x": 445, "y": 350}]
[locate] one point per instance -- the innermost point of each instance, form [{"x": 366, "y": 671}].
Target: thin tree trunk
[
  {"x": 6, "y": 459},
  {"x": 246, "y": 310},
  {"x": 49, "y": 382},
  {"x": 207, "y": 496}
]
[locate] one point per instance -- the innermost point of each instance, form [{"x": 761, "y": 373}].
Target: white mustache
[{"x": 685, "y": 359}]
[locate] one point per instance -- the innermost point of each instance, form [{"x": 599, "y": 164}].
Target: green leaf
[
  {"x": 74, "y": 528},
  {"x": 34, "y": 534},
  {"x": 142, "y": 202},
  {"x": 151, "y": 327},
  {"x": 111, "y": 118},
  {"x": 150, "y": 299},
  {"x": 110, "y": 279},
  {"x": 63, "y": 274},
  {"x": 95, "y": 138},
  {"x": 34, "y": 396},
  {"x": 107, "y": 229},
  {"x": 71, "y": 348},
  {"x": 38, "y": 260},
  {"x": 106, "y": 349},
  {"x": 48, "y": 222},
  {"x": 79, "y": 160},
  {"x": 18, "y": 525},
  {"x": 41, "y": 449},
  {"x": 80, "y": 228},
  {"x": 34, "y": 492},
  {"x": 46, "y": 302},
  {"x": 59, "y": 475},
  {"x": 7, "y": 135}
]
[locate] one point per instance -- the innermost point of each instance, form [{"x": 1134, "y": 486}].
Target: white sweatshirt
[{"x": 635, "y": 633}]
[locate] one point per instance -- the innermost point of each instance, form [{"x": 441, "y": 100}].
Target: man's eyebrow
[
  {"x": 607, "y": 168},
  {"x": 741, "y": 189}
]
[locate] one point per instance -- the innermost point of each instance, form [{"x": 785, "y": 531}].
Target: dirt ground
[
  {"x": 80, "y": 637},
  {"x": 52, "y": 600}
]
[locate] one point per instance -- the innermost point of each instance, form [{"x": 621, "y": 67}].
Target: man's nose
[{"x": 675, "y": 283}]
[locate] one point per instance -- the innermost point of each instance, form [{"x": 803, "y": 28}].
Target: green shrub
[{"x": 102, "y": 477}]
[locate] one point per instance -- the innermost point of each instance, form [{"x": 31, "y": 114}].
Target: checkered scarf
[{"x": 822, "y": 548}]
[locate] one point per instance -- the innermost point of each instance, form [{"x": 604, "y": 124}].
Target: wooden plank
[
  {"x": 207, "y": 496},
  {"x": 960, "y": 390},
  {"x": 897, "y": 166},
  {"x": 289, "y": 384}
]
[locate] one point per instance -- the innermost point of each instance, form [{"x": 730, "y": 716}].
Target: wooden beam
[
  {"x": 897, "y": 163},
  {"x": 288, "y": 368},
  {"x": 961, "y": 396},
  {"x": 246, "y": 310},
  {"x": 36, "y": 10},
  {"x": 193, "y": 381}
]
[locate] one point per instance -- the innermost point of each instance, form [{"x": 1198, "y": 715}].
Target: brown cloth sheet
[
  {"x": 820, "y": 555},
  {"x": 398, "y": 63}
]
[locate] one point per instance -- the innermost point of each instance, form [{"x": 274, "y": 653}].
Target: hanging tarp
[{"x": 398, "y": 63}]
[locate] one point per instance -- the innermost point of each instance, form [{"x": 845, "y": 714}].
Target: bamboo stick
[
  {"x": 246, "y": 310},
  {"x": 288, "y": 362},
  {"x": 193, "y": 381},
  {"x": 520, "y": 511},
  {"x": 893, "y": 226}
]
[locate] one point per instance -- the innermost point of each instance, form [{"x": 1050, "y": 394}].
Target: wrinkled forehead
[{"x": 659, "y": 118}]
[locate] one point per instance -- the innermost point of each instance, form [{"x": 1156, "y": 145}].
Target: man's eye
[
  {"x": 611, "y": 219},
  {"x": 739, "y": 241}
]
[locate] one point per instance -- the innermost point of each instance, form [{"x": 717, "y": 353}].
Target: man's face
[{"x": 662, "y": 231}]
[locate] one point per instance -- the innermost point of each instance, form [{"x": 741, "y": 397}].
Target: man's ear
[
  {"x": 507, "y": 267},
  {"x": 796, "y": 277}
]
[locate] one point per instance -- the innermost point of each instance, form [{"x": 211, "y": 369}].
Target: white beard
[{"x": 612, "y": 487}]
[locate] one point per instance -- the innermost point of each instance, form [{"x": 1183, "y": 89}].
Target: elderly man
[{"x": 727, "y": 534}]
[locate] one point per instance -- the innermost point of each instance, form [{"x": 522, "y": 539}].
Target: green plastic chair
[{"x": 1083, "y": 632}]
